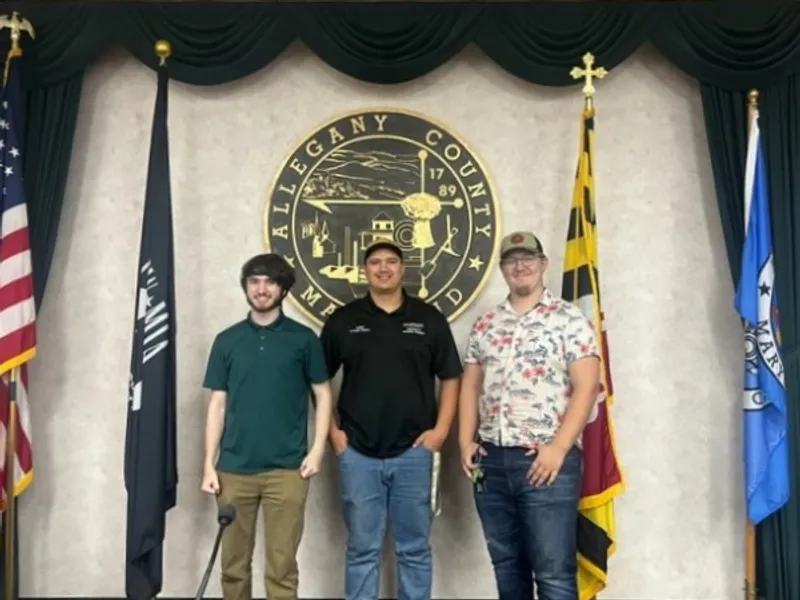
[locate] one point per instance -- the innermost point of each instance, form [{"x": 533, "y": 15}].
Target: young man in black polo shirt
[
  {"x": 392, "y": 346},
  {"x": 260, "y": 372}
]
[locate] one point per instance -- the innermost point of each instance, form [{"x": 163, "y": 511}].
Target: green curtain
[
  {"x": 777, "y": 540},
  {"x": 362, "y": 42},
  {"x": 541, "y": 43},
  {"x": 52, "y": 114},
  {"x": 725, "y": 113},
  {"x": 69, "y": 37},
  {"x": 212, "y": 44},
  {"x": 725, "y": 116},
  {"x": 728, "y": 47},
  {"x": 731, "y": 45}
]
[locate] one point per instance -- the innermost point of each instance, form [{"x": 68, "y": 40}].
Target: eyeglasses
[{"x": 525, "y": 261}]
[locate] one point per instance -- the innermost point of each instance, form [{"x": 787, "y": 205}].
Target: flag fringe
[
  {"x": 18, "y": 360},
  {"x": 20, "y": 486}
]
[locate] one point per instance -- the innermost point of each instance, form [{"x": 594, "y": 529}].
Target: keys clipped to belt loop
[{"x": 478, "y": 475}]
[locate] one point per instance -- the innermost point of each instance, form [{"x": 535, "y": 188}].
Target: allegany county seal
[{"x": 383, "y": 174}]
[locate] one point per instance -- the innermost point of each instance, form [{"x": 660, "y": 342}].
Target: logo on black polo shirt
[
  {"x": 415, "y": 328},
  {"x": 383, "y": 174}
]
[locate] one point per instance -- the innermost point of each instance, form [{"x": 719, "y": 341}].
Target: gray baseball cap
[{"x": 521, "y": 240}]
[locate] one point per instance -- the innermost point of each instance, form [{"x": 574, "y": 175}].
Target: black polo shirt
[{"x": 390, "y": 362}]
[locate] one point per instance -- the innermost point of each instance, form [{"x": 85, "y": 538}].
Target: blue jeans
[
  {"x": 372, "y": 491},
  {"x": 530, "y": 531}
]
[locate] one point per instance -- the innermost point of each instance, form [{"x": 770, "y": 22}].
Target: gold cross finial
[{"x": 588, "y": 73}]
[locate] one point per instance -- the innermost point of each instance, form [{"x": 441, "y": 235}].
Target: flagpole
[
  {"x": 10, "y": 468},
  {"x": 588, "y": 73},
  {"x": 750, "y": 529},
  {"x": 16, "y": 25}
]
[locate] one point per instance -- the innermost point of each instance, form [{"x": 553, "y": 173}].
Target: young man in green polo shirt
[{"x": 260, "y": 372}]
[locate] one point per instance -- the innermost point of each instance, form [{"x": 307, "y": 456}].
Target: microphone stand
[{"x": 204, "y": 583}]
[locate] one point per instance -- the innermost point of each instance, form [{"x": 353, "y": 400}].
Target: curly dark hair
[{"x": 269, "y": 265}]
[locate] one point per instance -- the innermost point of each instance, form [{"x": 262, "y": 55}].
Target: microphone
[{"x": 225, "y": 516}]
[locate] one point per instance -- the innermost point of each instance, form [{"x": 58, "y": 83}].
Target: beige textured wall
[{"x": 675, "y": 340}]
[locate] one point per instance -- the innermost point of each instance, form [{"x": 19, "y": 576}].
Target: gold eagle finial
[{"x": 17, "y": 25}]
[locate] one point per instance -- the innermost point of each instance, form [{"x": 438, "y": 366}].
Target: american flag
[{"x": 17, "y": 306}]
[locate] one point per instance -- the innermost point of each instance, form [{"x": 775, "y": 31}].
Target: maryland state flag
[{"x": 602, "y": 475}]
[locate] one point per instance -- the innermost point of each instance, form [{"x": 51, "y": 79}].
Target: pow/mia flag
[{"x": 151, "y": 471}]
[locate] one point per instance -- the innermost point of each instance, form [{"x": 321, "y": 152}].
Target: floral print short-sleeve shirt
[{"x": 524, "y": 358}]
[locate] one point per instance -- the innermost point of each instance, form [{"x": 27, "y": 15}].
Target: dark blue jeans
[
  {"x": 530, "y": 531},
  {"x": 375, "y": 491}
]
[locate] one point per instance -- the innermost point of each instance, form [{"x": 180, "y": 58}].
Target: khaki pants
[{"x": 281, "y": 494}]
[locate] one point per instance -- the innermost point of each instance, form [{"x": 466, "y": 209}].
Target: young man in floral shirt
[{"x": 530, "y": 381}]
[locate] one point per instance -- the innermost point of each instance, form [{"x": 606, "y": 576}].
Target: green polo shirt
[{"x": 267, "y": 372}]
